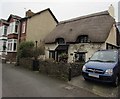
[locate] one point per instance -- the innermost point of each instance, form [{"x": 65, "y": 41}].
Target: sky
[{"x": 62, "y": 9}]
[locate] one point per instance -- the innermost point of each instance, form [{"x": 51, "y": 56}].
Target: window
[
  {"x": 104, "y": 56},
  {"x": 5, "y": 30},
  {"x": 12, "y": 45},
  {"x": 16, "y": 26},
  {"x": 52, "y": 54},
  {"x": 1, "y": 43},
  {"x": 9, "y": 45},
  {"x": 110, "y": 46},
  {"x": 13, "y": 27},
  {"x": 4, "y": 45},
  {"x": 80, "y": 57},
  {"x": 23, "y": 27},
  {"x": 60, "y": 41},
  {"x": 1, "y": 30},
  {"x": 82, "y": 39}
]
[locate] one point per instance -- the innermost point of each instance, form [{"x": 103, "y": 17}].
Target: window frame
[
  {"x": 10, "y": 45},
  {"x": 82, "y": 39},
  {"x": 23, "y": 27},
  {"x": 52, "y": 54},
  {"x": 60, "y": 41},
  {"x": 83, "y": 55}
]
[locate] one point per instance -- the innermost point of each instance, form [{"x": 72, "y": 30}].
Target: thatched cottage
[{"x": 80, "y": 37}]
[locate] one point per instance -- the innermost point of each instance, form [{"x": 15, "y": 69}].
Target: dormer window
[
  {"x": 82, "y": 39},
  {"x": 60, "y": 41}
]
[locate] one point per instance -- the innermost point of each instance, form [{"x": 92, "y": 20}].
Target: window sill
[{"x": 11, "y": 51}]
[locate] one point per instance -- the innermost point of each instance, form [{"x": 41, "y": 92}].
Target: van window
[{"x": 105, "y": 56}]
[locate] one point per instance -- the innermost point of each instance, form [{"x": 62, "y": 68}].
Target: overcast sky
[{"x": 62, "y": 9}]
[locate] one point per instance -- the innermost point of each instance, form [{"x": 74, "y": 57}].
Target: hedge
[{"x": 55, "y": 69}]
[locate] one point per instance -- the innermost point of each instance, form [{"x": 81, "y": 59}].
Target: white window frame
[
  {"x": 2, "y": 42},
  {"x": 23, "y": 27},
  {"x": 4, "y": 30},
  {"x": 10, "y": 45},
  {"x": 1, "y": 30},
  {"x": 11, "y": 27}
]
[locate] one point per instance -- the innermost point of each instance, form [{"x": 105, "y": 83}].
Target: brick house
[
  {"x": 35, "y": 26},
  {"x": 12, "y": 36},
  {"x": 3, "y": 37}
]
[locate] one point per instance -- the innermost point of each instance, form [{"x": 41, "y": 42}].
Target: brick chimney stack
[{"x": 29, "y": 13}]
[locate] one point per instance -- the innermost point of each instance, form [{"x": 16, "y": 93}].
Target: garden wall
[
  {"x": 55, "y": 69},
  {"x": 26, "y": 62}
]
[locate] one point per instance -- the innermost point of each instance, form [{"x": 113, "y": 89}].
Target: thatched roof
[{"x": 97, "y": 26}]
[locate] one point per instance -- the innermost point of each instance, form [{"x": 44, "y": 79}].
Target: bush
[
  {"x": 54, "y": 69},
  {"x": 25, "y": 49}
]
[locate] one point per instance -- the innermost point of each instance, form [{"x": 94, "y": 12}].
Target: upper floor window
[
  {"x": 1, "y": 30},
  {"x": 23, "y": 27},
  {"x": 13, "y": 27},
  {"x": 82, "y": 39},
  {"x": 5, "y": 30},
  {"x": 16, "y": 26},
  {"x": 60, "y": 41}
]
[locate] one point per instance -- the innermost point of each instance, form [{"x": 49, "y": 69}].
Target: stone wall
[
  {"x": 55, "y": 69},
  {"x": 26, "y": 62}
]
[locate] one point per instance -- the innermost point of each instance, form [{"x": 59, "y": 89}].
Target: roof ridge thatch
[
  {"x": 97, "y": 26},
  {"x": 86, "y": 16}
]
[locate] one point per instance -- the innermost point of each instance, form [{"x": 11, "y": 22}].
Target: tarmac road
[{"x": 20, "y": 82}]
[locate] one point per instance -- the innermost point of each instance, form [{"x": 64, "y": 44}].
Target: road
[{"x": 20, "y": 82}]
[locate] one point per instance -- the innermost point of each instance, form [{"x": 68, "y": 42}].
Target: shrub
[{"x": 25, "y": 49}]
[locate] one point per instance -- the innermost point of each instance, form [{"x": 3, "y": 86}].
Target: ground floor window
[
  {"x": 79, "y": 57},
  {"x": 3, "y": 45},
  {"x": 52, "y": 54},
  {"x": 12, "y": 45}
]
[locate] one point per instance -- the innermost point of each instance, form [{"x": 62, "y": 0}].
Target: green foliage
[
  {"x": 25, "y": 49},
  {"x": 63, "y": 57},
  {"x": 28, "y": 49},
  {"x": 40, "y": 50}
]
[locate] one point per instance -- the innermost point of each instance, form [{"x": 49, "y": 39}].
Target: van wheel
[{"x": 116, "y": 82}]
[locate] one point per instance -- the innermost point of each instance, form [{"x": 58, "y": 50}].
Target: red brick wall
[
  {"x": 13, "y": 36},
  {"x": 23, "y": 37},
  {"x": 11, "y": 56}
]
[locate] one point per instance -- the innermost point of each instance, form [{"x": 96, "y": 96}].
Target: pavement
[
  {"x": 101, "y": 89},
  {"x": 20, "y": 82}
]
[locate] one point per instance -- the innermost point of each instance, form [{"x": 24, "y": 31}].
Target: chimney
[
  {"x": 29, "y": 13},
  {"x": 111, "y": 10}
]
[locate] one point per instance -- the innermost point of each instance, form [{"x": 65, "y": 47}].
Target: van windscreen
[{"x": 104, "y": 56}]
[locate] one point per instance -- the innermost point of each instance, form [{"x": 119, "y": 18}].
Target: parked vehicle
[{"x": 103, "y": 66}]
